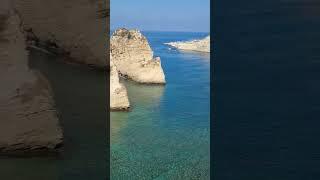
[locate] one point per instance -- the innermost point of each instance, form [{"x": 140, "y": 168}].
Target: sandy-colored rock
[
  {"x": 28, "y": 119},
  {"x": 118, "y": 93},
  {"x": 133, "y": 57},
  {"x": 75, "y": 27},
  {"x": 202, "y": 45}
]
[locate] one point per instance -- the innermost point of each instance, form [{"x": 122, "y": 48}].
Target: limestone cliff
[
  {"x": 202, "y": 45},
  {"x": 133, "y": 57},
  {"x": 75, "y": 27},
  {"x": 118, "y": 93},
  {"x": 28, "y": 118}
]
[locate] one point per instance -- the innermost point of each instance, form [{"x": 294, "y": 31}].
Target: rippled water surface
[{"x": 166, "y": 135}]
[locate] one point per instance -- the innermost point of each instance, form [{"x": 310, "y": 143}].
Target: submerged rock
[
  {"x": 202, "y": 45},
  {"x": 29, "y": 119},
  {"x": 133, "y": 57},
  {"x": 118, "y": 92}
]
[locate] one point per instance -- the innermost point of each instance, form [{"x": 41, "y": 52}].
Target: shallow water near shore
[{"x": 166, "y": 133}]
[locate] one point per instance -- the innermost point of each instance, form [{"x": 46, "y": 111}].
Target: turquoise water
[{"x": 166, "y": 134}]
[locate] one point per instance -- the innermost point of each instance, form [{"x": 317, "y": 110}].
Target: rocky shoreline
[
  {"x": 132, "y": 58},
  {"x": 201, "y": 45},
  {"x": 29, "y": 119}
]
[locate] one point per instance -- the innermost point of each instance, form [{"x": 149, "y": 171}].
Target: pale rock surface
[
  {"x": 202, "y": 45},
  {"x": 28, "y": 119},
  {"x": 133, "y": 57},
  {"x": 118, "y": 93}
]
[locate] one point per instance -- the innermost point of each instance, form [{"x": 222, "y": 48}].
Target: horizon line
[{"x": 150, "y": 30}]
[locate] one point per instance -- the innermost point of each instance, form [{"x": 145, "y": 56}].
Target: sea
[
  {"x": 166, "y": 134},
  {"x": 266, "y": 90}
]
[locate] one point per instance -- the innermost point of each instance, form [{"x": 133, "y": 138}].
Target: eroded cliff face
[
  {"x": 28, "y": 120},
  {"x": 118, "y": 93},
  {"x": 133, "y": 57},
  {"x": 74, "y": 27},
  {"x": 201, "y": 45}
]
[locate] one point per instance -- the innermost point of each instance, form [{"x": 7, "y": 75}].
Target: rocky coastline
[
  {"x": 201, "y": 45},
  {"x": 29, "y": 119},
  {"x": 132, "y": 57}
]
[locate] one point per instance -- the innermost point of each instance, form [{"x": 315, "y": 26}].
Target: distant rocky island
[
  {"x": 201, "y": 45},
  {"x": 131, "y": 58}
]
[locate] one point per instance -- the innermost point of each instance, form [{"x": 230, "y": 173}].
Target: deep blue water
[
  {"x": 266, "y": 85},
  {"x": 166, "y": 134}
]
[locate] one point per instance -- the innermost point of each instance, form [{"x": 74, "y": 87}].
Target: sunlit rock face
[
  {"x": 202, "y": 45},
  {"x": 134, "y": 58},
  {"x": 76, "y": 28},
  {"x": 118, "y": 92},
  {"x": 28, "y": 118}
]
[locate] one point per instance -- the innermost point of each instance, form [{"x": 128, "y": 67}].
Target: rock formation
[
  {"x": 133, "y": 57},
  {"x": 75, "y": 27},
  {"x": 28, "y": 118},
  {"x": 202, "y": 45},
  {"x": 118, "y": 93}
]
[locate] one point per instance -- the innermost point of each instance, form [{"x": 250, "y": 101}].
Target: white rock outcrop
[
  {"x": 118, "y": 93},
  {"x": 133, "y": 57},
  {"x": 28, "y": 120},
  {"x": 202, "y": 45}
]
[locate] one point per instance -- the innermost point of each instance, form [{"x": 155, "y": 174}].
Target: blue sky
[{"x": 161, "y": 15}]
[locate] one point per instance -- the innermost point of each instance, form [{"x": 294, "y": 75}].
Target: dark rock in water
[{"x": 28, "y": 118}]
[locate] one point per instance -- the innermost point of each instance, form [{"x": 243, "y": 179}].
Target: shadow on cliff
[{"x": 80, "y": 98}]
